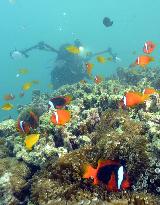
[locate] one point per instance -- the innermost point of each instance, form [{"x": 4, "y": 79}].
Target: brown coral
[
  {"x": 116, "y": 137},
  {"x": 13, "y": 181}
]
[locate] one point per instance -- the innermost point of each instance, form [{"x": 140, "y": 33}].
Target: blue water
[{"x": 24, "y": 23}]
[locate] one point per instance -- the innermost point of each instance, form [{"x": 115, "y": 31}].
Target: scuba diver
[{"x": 69, "y": 68}]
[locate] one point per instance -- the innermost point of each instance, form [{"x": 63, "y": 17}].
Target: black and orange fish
[
  {"x": 149, "y": 47},
  {"x": 61, "y": 117},
  {"x": 89, "y": 67},
  {"x": 21, "y": 94},
  {"x": 59, "y": 102},
  {"x": 33, "y": 120},
  {"x": 9, "y": 96},
  {"x": 23, "y": 127},
  {"x": 109, "y": 172},
  {"x": 98, "y": 79},
  {"x": 132, "y": 98}
]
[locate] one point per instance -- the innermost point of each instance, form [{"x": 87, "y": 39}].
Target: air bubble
[
  {"x": 157, "y": 170},
  {"x": 158, "y": 164},
  {"x": 158, "y": 189},
  {"x": 152, "y": 181}
]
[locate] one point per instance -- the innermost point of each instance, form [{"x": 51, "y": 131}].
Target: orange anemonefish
[
  {"x": 149, "y": 47},
  {"x": 150, "y": 91},
  {"x": 9, "y": 97},
  {"x": 144, "y": 60},
  {"x": 60, "y": 117},
  {"x": 98, "y": 79},
  {"x": 21, "y": 94},
  {"x": 132, "y": 99},
  {"x": 89, "y": 67},
  {"x": 23, "y": 127},
  {"x": 59, "y": 102},
  {"x": 109, "y": 172}
]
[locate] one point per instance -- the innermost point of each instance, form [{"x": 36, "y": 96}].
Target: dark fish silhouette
[{"x": 107, "y": 22}]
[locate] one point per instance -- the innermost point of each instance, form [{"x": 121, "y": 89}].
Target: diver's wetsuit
[{"x": 69, "y": 68}]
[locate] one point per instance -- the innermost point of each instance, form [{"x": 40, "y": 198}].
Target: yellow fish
[
  {"x": 31, "y": 140},
  {"x": 73, "y": 49},
  {"x": 27, "y": 86},
  {"x": 7, "y": 106},
  {"x": 110, "y": 59},
  {"x": 101, "y": 59},
  {"x": 35, "y": 81},
  {"x": 50, "y": 85},
  {"x": 23, "y": 71}
]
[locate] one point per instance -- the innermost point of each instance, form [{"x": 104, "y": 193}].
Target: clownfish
[
  {"x": 60, "y": 117},
  {"x": 21, "y": 94},
  {"x": 23, "y": 127},
  {"x": 132, "y": 99},
  {"x": 150, "y": 91},
  {"x": 109, "y": 172},
  {"x": 149, "y": 47},
  {"x": 59, "y": 102},
  {"x": 98, "y": 79},
  {"x": 33, "y": 119},
  {"x": 89, "y": 67},
  {"x": 9, "y": 96},
  {"x": 143, "y": 60}
]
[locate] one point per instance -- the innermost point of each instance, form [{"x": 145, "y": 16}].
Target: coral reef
[
  {"x": 39, "y": 104},
  {"x": 98, "y": 129},
  {"x": 14, "y": 182},
  {"x": 7, "y": 128},
  {"x": 4, "y": 151},
  {"x": 133, "y": 76},
  {"x": 55, "y": 140},
  {"x": 116, "y": 137}
]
